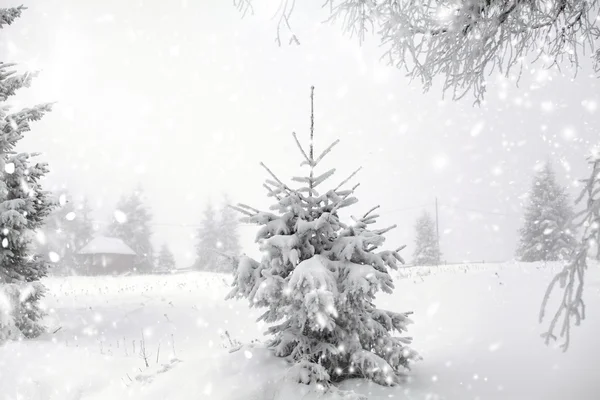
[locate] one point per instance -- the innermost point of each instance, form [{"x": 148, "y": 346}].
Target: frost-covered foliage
[
  {"x": 9, "y": 15},
  {"x": 23, "y": 208},
  {"x": 571, "y": 278},
  {"x": 464, "y": 40},
  {"x": 131, "y": 224},
  {"x": 427, "y": 249},
  {"x": 318, "y": 278},
  {"x": 218, "y": 239},
  {"x": 66, "y": 230},
  {"x": 165, "y": 261},
  {"x": 547, "y": 234}
]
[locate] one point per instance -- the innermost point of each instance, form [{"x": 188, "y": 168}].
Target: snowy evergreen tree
[
  {"x": 23, "y": 208},
  {"x": 427, "y": 251},
  {"x": 66, "y": 230},
  {"x": 547, "y": 234},
  {"x": 318, "y": 278},
  {"x": 571, "y": 278},
  {"x": 208, "y": 245},
  {"x": 131, "y": 224},
  {"x": 228, "y": 236},
  {"x": 165, "y": 262}
]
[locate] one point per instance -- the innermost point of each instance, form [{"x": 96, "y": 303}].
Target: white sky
[{"x": 186, "y": 99}]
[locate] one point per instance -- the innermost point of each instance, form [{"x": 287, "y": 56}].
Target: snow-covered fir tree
[
  {"x": 66, "y": 230},
  {"x": 23, "y": 208},
  {"x": 165, "y": 262},
  {"x": 318, "y": 278},
  {"x": 547, "y": 234},
  {"x": 228, "y": 236},
  {"x": 571, "y": 278},
  {"x": 132, "y": 225},
  {"x": 427, "y": 249},
  {"x": 208, "y": 245}
]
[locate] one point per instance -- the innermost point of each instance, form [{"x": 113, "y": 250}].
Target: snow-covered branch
[{"x": 463, "y": 41}]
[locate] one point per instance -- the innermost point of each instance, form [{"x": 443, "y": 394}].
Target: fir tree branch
[
  {"x": 326, "y": 151},
  {"x": 323, "y": 177},
  {"x": 308, "y": 160},
  {"x": 9, "y": 15},
  {"x": 283, "y": 185},
  {"x": 385, "y": 230},
  {"x": 370, "y": 211},
  {"x": 347, "y": 179},
  {"x": 239, "y": 208},
  {"x": 271, "y": 191}
]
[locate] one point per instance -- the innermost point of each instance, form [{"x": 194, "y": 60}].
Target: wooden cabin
[{"x": 106, "y": 256}]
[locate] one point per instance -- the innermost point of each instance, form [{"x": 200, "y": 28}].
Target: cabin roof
[{"x": 107, "y": 245}]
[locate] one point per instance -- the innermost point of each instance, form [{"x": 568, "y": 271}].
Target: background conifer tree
[
  {"x": 547, "y": 234},
  {"x": 165, "y": 262},
  {"x": 427, "y": 250},
  {"x": 66, "y": 230},
  {"x": 132, "y": 225},
  {"x": 208, "y": 245}
]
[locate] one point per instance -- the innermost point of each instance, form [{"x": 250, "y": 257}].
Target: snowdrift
[{"x": 475, "y": 326}]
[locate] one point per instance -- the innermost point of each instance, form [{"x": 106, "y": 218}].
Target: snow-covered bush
[{"x": 318, "y": 278}]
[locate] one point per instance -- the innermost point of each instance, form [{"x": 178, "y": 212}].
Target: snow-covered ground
[{"x": 475, "y": 326}]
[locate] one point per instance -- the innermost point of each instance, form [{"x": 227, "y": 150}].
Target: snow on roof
[{"x": 106, "y": 245}]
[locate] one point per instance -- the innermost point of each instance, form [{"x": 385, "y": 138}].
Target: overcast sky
[{"x": 186, "y": 100}]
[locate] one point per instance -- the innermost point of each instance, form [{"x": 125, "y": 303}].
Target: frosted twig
[
  {"x": 370, "y": 211},
  {"x": 173, "y": 345},
  {"x": 571, "y": 304},
  {"x": 143, "y": 355},
  {"x": 326, "y": 151},
  {"x": 247, "y": 207},
  {"x": 283, "y": 185},
  {"x": 241, "y": 210},
  {"x": 321, "y": 178},
  {"x": 271, "y": 191},
  {"x": 347, "y": 179},
  {"x": 308, "y": 160},
  {"x": 384, "y": 230}
]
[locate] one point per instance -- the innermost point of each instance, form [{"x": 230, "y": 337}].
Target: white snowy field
[{"x": 475, "y": 326}]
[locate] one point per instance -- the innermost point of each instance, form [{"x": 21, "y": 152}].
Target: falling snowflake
[{"x": 120, "y": 216}]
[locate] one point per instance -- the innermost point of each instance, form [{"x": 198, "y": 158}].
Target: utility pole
[{"x": 437, "y": 224}]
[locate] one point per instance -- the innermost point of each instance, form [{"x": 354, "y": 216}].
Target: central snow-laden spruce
[{"x": 318, "y": 278}]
